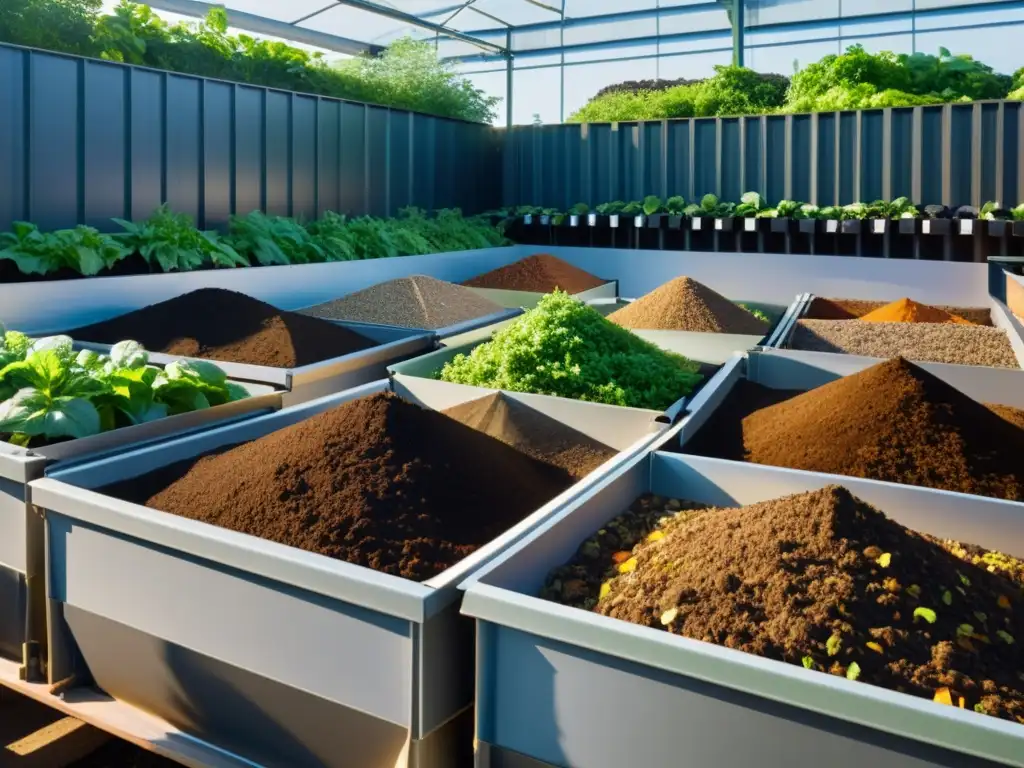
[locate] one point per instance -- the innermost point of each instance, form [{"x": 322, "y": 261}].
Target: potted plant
[
  {"x": 1017, "y": 214},
  {"x": 610, "y": 212},
  {"x": 676, "y": 207},
  {"x": 635, "y": 210},
  {"x": 750, "y": 209},
  {"x": 577, "y": 212},
  {"x": 851, "y": 218},
  {"x": 877, "y": 217},
  {"x": 712, "y": 208},
  {"x": 996, "y": 216},
  {"x": 907, "y": 214},
  {"x": 529, "y": 213},
  {"x": 807, "y": 218},
  {"x": 782, "y": 216},
  {"x": 936, "y": 220},
  {"x": 655, "y": 211},
  {"x": 830, "y": 215}
]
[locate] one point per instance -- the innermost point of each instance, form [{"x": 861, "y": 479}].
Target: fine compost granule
[
  {"x": 820, "y": 580},
  {"x": 893, "y": 421},
  {"x": 228, "y": 326},
  {"x": 924, "y": 342},
  {"x": 377, "y": 481},
  {"x": 852, "y": 309},
  {"x": 540, "y": 273},
  {"x": 409, "y": 302},
  {"x": 532, "y": 432},
  {"x": 683, "y": 304},
  {"x": 909, "y": 311}
]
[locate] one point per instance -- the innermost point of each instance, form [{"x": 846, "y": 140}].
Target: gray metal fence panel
[
  {"x": 83, "y": 140},
  {"x": 955, "y": 154}
]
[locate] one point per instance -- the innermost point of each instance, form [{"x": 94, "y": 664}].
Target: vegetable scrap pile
[
  {"x": 852, "y": 309},
  {"x": 49, "y": 393},
  {"x": 908, "y": 311},
  {"x": 229, "y": 326},
  {"x": 893, "y": 421},
  {"x": 818, "y": 579},
  {"x": 684, "y": 304},
  {"x": 377, "y": 481},
  {"x": 953, "y": 343},
  {"x": 532, "y": 432},
  {"x": 563, "y": 347},
  {"x": 540, "y": 273},
  {"x": 409, "y": 302}
]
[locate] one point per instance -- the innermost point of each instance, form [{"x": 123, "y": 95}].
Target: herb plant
[
  {"x": 652, "y": 204},
  {"x": 82, "y": 249},
  {"x": 675, "y": 205},
  {"x": 171, "y": 242},
  {"x": 565, "y": 348},
  {"x": 751, "y": 204}
]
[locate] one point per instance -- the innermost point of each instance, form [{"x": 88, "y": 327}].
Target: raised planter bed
[
  {"x": 22, "y": 627},
  {"x": 559, "y": 686},
  {"x": 197, "y": 624}
]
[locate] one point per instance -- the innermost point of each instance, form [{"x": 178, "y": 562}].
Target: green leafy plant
[
  {"x": 830, "y": 213},
  {"x": 786, "y": 209},
  {"x": 675, "y": 205},
  {"x": 751, "y": 204},
  {"x": 580, "y": 209},
  {"x": 993, "y": 211},
  {"x": 53, "y": 393},
  {"x": 613, "y": 208},
  {"x": 171, "y": 242},
  {"x": 632, "y": 208},
  {"x": 756, "y": 313},
  {"x": 807, "y": 211},
  {"x": 563, "y": 347},
  {"x": 854, "y": 211},
  {"x": 276, "y": 240},
  {"x": 652, "y": 204},
  {"x": 82, "y": 249},
  {"x": 1017, "y": 212}
]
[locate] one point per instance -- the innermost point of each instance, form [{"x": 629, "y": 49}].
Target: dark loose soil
[
  {"x": 683, "y": 304},
  {"x": 852, "y": 309},
  {"x": 377, "y": 481},
  {"x": 534, "y": 433},
  {"x": 228, "y": 326},
  {"x": 893, "y": 421},
  {"x": 821, "y": 580},
  {"x": 540, "y": 273}
]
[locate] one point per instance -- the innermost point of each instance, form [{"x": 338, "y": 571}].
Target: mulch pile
[
  {"x": 225, "y": 325},
  {"x": 821, "y": 580},
  {"x": 684, "y": 304},
  {"x": 532, "y": 432},
  {"x": 908, "y": 311},
  {"x": 853, "y": 309},
  {"x": 377, "y": 481},
  {"x": 409, "y": 302},
  {"x": 540, "y": 273},
  {"x": 893, "y": 421}
]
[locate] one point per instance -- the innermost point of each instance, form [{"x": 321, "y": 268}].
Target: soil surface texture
[
  {"x": 909, "y": 311},
  {"x": 893, "y": 421},
  {"x": 540, "y": 273},
  {"x": 851, "y": 309},
  {"x": 925, "y": 342},
  {"x": 820, "y": 580},
  {"x": 534, "y": 433},
  {"x": 683, "y": 304},
  {"x": 228, "y": 326},
  {"x": 377, "y": 481},
  {"x": 409, "y": 302}
]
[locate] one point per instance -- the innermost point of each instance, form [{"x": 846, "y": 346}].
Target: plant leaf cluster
[
  {"x": 83, "y": 249},
  {"x": 563, "y": 347},
  {"x": 49, "y": 392}
]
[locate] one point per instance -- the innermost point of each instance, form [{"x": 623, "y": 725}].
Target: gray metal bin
[
  {"x": 559, "y": 686},
  {"x": 22, "y": 632},
  {"x": 280, "y": 656}
]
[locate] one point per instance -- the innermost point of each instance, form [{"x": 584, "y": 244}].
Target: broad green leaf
[
  {"x": 20, "y": 412},
  {"x": 89, "y": 260},
  {"x": 203, "y": 370},
  {"x": 925, "y": 613},
  {"x": 72, "y": 417},
  {"x": 62, "y": 345},
  {"x": 128, "y": 354},
  {"x": 236, "y": 391},
  {"x": 853, "y": 671}
]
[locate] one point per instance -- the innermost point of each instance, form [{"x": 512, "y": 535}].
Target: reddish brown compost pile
[
  {"x": 684, "y": 304},
  {"x": 532, "y": 432},
  {"x": 228, "y": 326},
  {"x": 377, "y": 481},
  {"x": 540, "y": 273},
  {"x": 852, "y": 309},
  {"x": 821, "y": 580},
  {"x": 893, "y": 421}
]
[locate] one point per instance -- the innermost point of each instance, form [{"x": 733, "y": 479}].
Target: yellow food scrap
[
  {"x": 966, "y": 644},
  {"x": 669, "y": 616},
  {"x": 875, "y": 647},
  {"x": 961, "y": 702},
  {"x": 943, "y": 696},
  {"x": 914, "y": 591},
  {"x": 656, "y": 536},
  {"x": 629, "y": 566},
  {"x": 606, "y": 588},
  {"x": 621, "y": 557},
  {"x": 884, "y": 559},
  {"x": 1004, "y": 602}
]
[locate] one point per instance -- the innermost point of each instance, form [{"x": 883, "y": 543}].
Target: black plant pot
[
  {"x": 968, "y": 227},
  {"x": 781, "y": 226},
  {"x": 724, "y": 225},
  {"x": 936, "y": 226},
  {"x": 656, "y": 221},
  {"x": 831, "y": 226},
  {"x": 675, "y": 222},
  {"x": 909, "y": 226},
  {"x": 878, "y": 226},
  {"x": 639, "y": 220},
  {"x": 808, "y": 226},
  {"x": 545, "y": 220},
  {"x": 700, "y": 224},
  {"x": 852, "y": 226},
  {"x": 1018, "y": 229},
  {"x": 750, "y": 225},
  {"x": 997, "y": 228}
]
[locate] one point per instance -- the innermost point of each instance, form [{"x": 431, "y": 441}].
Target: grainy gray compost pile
[
  {"x": 409, "y": 302},
  {"x": 924, "y": 342}
]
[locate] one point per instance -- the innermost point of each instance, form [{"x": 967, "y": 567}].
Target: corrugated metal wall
[
  {"x": 955, "y": 154},
  {"x": 84, "y": 140}
]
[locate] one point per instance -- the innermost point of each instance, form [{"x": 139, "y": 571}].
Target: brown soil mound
[
  {"x": 825, "y": 581},
  {"x": 684, "y": 304},
  {"x": 533, "y": 433},
  {"x": 909, "y": 311},
  {"x": 893, "y": 421},
  {"x": 409, "y": 302},
  {"x": 540, "y": 273},
  {"x": 228, "y": 326},
  {"x": 377, "y": 481},
  {"x": 853, "y": 309}
]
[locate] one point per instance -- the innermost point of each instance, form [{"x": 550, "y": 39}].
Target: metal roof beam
[
  {"x": 263, "y": 26},
  {"x": 417, "y": 21}
]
